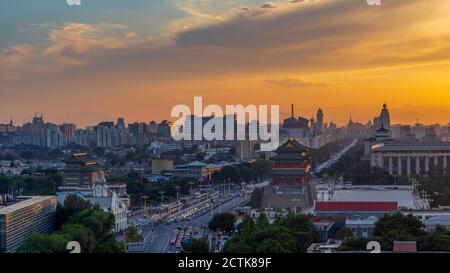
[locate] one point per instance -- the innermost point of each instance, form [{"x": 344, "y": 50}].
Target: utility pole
[
  {"x": 426, "y": 196},
  {"x": 144, "y": 198},
  {"x": 178, "y": 193},
  {"x": 191, "y": 183},
  {"x": 162, "y": 199}
]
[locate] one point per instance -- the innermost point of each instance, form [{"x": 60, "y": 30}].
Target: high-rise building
[
  {"x": 24, "y": 216},
  {"x": 86, "y": 137},
  {"x": 68, "y": 131},
  {"x": 34, "y": 133},
  {"x": 107, "y": 135},
  {"x": 245, "y": 149},
  {"x": 164, "y": 128},
  {"x": 319, "y": 123},
  {"x": 120, "y": 124},
  {"x": 121, "y": 132},
  {"x": 8, "y": 128},
  {"x": 55, "y": 137},
  {"x": 152, "y": 127}
]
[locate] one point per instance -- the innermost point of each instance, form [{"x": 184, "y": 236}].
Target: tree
[
  {"x": 393, "y": 227},
  {"x": 231, "y": 174},
  {"x": 46, "y": 185},
  {"x": 436, "y": 184},
  {"x": 80, "y": 234},
  {"x": 109, "y": 246},
  {"x": 132, "y": 235},
  {"x": 72, "y": 204},
  {"x": 439, "y": 240},
  {"x": 222, "y": 222},
  {"x": 43, "y": 243},
  {"x": 247, "y": 225},
  {"x": 196, "y": 246},
  {"x": 262, "y": 168},
  {"x": 293, "y": 234},
  {"x": 300, "y": 222},
  {"x": 98, "y": 221},
  {"x": 262, "y": 221},
  {"x": 271, "y": 239},
  {"x": 353, "y": 243},
  {"x": 91, "y": 227},
  {"x": 354, "y": 169}
]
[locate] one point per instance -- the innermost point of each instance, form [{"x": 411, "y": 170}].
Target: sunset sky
[{"x": 139, "y": 58}]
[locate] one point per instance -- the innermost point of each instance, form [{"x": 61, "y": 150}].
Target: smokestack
[{"x": 292, "y": 110}]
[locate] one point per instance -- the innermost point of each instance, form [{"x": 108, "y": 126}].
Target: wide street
[
  {"x": 335, "y": 158},
  {"x": 158, "y": 239}
]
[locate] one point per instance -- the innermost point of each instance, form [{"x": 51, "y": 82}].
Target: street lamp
[
  {"x": 178, "y": 193},
  {"x": 191, "y": 183},
  {"x": 162, "y": 196},
  {"x": 144, "y": 198},
  {"x": 295, "y": 199}
]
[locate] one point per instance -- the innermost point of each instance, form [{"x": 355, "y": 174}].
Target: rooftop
[
  {"x": 411, "y": 146},
  {"x": 22, "y": 202},
  {"x": 404, "y": 197},
  {"x": 356, "y": 206},
  {"x": 81, "y": 158},
  {"x": 291, "y": 146},
  {"x": 196, "y": 164}
]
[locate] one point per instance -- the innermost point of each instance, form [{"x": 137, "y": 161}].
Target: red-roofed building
[{"x": 347, "y": 209}]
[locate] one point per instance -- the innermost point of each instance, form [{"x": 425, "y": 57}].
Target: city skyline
[
  {"x": 137, "y": 60},
  {"x": 283, "y": 115}
]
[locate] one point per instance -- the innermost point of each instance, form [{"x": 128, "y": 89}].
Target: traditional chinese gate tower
[
  {"x": 292, "y": 166},
  {"x": 291, "y": 187}
]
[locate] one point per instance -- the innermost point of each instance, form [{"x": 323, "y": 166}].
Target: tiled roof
[
  {"x": 356, "y": 206},
  {"x": 291, "y": 146}
]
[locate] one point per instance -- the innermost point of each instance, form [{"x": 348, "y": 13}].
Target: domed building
[{"x": 291, "y": 122}]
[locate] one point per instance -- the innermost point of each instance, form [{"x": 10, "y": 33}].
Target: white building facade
[{"x": 410, "y": 158}]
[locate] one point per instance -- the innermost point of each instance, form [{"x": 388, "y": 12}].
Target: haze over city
[
  {"x": 240, "y": 128},
  {"x": 138, "y": 59}
]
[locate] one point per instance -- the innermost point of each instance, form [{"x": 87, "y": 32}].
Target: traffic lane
[
  {"x": 163, "y": 232},
  {"x": 161, "y": 236},
  {"x": 202, "y": 220}
]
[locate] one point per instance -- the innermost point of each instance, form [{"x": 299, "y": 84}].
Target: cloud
[
  {"x": 73, "y": 40},
  {"x": 268, "y": 5},
  {"x": 14, "y": 59},
  {"x": 343, "y": 41},
  {"x": 240, "y": 10},
  {"x": 69, "y": 45},
  {"x": 293, "y": 83},
  {"x": 16, "y": 54},
  {"x": 319, "y": 37}
]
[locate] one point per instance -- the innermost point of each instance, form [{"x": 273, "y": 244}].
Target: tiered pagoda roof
[{"x": 291, "y": 150}]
